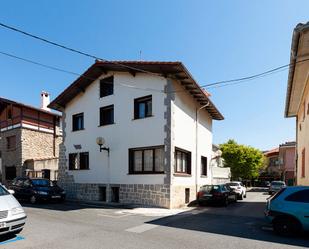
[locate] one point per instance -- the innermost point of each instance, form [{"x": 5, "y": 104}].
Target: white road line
[
  {"x": 141, "y": 228},
  {"x": 114, "y": 216}
]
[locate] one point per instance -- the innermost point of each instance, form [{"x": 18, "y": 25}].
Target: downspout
[{"x": 196, "y": 144}]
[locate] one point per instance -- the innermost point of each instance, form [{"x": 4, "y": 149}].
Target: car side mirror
[{"x": 11, "y": 191}]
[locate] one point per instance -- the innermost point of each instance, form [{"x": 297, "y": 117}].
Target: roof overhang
[
  {"x": 174, "y": 70},
  {"x": 299, "y": 69}
]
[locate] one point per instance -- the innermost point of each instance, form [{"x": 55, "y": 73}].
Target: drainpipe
[{"x": 196, "y": 144}]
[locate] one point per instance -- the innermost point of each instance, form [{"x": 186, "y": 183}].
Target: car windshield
[
  {"x": 277, "y": 183},
  {"x": 41, "y": 182},
  {"x": 210, "y": 188},
  {"x": 232, "y": 184},
  {"x": 3, "y": 191}
]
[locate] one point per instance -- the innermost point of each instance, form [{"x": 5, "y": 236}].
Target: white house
[{"x": 156, "y": 123}]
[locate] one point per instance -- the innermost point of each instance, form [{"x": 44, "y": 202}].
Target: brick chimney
[{"x": 45, "y": 100}]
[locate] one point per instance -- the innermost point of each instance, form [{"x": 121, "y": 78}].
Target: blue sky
[{"x": 216, "y": 40}]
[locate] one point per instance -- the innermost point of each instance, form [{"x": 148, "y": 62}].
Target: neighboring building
[
  {"x": 287, "y": 162},
  {"x": 297, "y": 99},
  {"x": 272, "y": 161},
  {"x": 28, "y": 134},
  {"x": 155, "y": 151},
  {"x": 220, "y": 174}
]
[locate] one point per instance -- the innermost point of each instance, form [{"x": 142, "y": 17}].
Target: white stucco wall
[
  {"x": 125, "y": 133},
  {"x": 184, "y": 118}
]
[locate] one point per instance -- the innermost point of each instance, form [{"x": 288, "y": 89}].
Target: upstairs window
[
  {"x": 182, "y": 161},
  {"x": 143, "y": 107},
  {"x": 79, "y": 161},
  {"x": 204, "y": 166},
  {"x": 78, "y": 122},
  {"x": 11, "y": 142},
  {"x": 107, "y": 115},
  {"x": 107, "y": 86}
]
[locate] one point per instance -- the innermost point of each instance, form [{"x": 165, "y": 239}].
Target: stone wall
[
  {"x": 178, "y": 195},
  {"x": 11, "y": 157}
]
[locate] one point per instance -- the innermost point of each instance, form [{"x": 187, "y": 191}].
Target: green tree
[{"x": 245, "y": 162}]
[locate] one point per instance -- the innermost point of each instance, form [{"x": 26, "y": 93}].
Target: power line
[
  {"x": 74, "y": 50},
  {"x": 73, "y": 73}
]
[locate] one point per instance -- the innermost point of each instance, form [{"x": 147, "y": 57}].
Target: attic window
[{"x": 107, "y": 86}]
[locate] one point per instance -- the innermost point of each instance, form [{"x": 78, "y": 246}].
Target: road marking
[
  {"x": 12, "y": 240},
  {"x": 114, "y": 216},
  {"x": 141, "y": 228},
  {"x": 267, "y": 228}
]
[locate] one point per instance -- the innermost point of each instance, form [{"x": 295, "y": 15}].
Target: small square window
[
  {"x": 143, "y": 107},
  {"x": 11, "y": 142},
  {"x": 78, "y": 122},
  {"x": 107, "y": 86},
  {"x": 107, "y": 115},
  {"x": 84, "y": 160}
]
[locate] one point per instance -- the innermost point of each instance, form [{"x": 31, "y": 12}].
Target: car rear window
[
  {"x": 232, "y": 184},
  {"x": 299, "y": 196},
  {"x": 3, "y": 191},
  {"x": 41, "y": 182},
  {"x": 276, "y": 195},
  {"x": 278, "y": 183},
  {"x": 210, "y": 188}
]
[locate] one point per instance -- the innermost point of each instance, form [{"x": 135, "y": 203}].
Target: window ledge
[
  {"x": 182, "y": 174},
  {"x": 204, "y": 176},
  {"x": 147, "y": 173},
  {"x": 142, "y": 118},
  {"x": 106, "y": 125},
  {"x": 77, "y": 130}
]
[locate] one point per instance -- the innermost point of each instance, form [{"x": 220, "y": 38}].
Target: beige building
[
  {"x": 297, "y": 99},
  {"x": 30, "y": 139}
]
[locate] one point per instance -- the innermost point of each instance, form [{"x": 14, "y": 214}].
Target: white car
[
  {"x": 12, "y": 215},
  {"x": 239, "y": 188}
]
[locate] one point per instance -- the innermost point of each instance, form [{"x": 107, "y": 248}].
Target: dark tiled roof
[{"x": 174, "y": 70}]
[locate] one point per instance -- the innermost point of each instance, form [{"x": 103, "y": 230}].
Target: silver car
[
  {"x": 275, "y": 186},
  {"x": 12, "y": 215}
]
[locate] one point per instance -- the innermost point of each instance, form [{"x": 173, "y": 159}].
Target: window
[
  {"x": 303, "y": 162},
  {"x": 73, "y": 163},
  {"x": 182, "y": 161},
  {"x": 107, "y": 115},
  {"x": 107, "y": 86},
  {"x": 78, "y": 122},
  {"x": 11, "y": 142},
  {"x": 204, "y": 166},
  {"x": 299, "y": 196},
  {"x": 84, "y": 160},
  {"x": 79, "y": 161},
  {"x": 146, "y": 160},
  {"x": 143, "y": 107}
]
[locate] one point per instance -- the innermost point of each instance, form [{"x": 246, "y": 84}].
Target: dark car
[
  {"x": 216, "y": 194},
  {"x": 36, "y": 189}
]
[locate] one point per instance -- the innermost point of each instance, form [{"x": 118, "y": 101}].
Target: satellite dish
[{"x": 100, "y": 141}]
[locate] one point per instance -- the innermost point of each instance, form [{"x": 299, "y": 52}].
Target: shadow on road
[{"x": 230, "y": 221}]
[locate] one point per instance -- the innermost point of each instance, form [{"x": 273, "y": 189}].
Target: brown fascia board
[{"x": 294, "y": 49}]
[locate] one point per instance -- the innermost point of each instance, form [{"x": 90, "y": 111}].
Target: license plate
[
  {"x": 56, "y": 196},
  {"x": 2, "y": 224}
]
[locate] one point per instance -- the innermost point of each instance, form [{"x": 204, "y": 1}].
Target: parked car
[
  {"x": 288, "y": 210},
  {"x": 37, "y": 189},
  {"x": 275, "y": 186},
  {"x": 12, "y": 215},
  {"x": 239, "y": 188},
  {"x": 216, "y": 194}
]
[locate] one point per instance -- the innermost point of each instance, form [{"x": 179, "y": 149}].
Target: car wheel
[
  {"x": 286, "y": 226},
  {"x": 225, "y": 202},
  {"x": 245, "y": 196},
  {"x": 241, "y": 196},
  {"x": 33, "y": 199}
]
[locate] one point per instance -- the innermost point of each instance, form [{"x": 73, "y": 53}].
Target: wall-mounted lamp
[{"x": 100, "y": 141}]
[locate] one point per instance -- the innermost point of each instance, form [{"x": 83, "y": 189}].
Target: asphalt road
[{"x": 240, "y": 225}]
